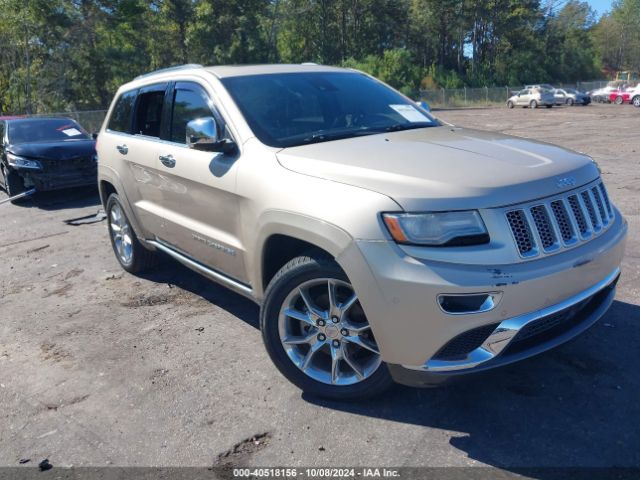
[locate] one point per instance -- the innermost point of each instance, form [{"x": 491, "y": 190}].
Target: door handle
[
  {"x": 123, "y": 149},
  {"x": 168, "y": 161}
]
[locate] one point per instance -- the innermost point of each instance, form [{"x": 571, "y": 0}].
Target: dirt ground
[{"x": 99, "y": 367}]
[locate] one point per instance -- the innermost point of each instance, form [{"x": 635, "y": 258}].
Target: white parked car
[
  {"x": 601, "y": 95},
  {"x": 635, "y": 96}
]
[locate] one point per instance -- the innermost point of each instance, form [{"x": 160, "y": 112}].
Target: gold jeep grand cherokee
[{"x": 380, "y": 243}]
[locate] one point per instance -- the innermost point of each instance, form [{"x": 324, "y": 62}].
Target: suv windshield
[
  {"x": 32, "y": 130},
  {"x": 289, "y": 109}
]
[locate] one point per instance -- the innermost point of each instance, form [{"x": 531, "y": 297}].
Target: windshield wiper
[
  {"x": 322, "y": 136},
  {"x": 326, "y": 137},
  {"x": 397, "y": 127}
]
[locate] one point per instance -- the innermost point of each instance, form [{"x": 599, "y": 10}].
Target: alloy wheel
[
  {"x": 325, "y": 333},
  {"x": 121, "y": 234}
]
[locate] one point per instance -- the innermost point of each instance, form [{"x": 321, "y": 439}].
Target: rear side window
[
  {"x": 190, "y": 102},
  {"x": 148, "y": 116},
  {"x": 120, "y": 120}
]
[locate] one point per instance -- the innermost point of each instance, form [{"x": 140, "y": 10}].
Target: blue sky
[{"x": 601, "y": 6}]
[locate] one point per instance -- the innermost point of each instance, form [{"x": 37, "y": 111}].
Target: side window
[
  {"x": 120, "y": 120},
  {"x": 189, "y": 102},
  {"x": 148, "y": 116}
]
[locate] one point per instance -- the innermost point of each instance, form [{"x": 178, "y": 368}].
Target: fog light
[{"x": 470, "y": 303}]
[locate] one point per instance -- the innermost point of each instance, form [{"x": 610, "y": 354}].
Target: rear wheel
[
  {"x": 130, "y": 253},
  {"x": 570, "y": 102},
  {"x": 619, "y": 101},
  {"x": 636, "y": 101},
  {"x": 549, "y": 106},
  {"x": 510, "y": 104},
  {"x": 317, "y": 333},
  {"x": 533, "y": 104}
]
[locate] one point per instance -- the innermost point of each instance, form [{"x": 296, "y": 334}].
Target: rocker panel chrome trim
[{"x": 206, "y": 271}]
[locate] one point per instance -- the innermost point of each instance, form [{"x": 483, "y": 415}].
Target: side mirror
[{"x": 203, "y": 134}]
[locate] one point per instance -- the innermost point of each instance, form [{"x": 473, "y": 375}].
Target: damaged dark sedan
[{"x": 45, "y": 154}]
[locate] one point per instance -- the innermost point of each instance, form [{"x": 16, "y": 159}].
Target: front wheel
[
  {"x": 619, "y": 101},
  {"x": 636, "y": 101},
  {"x": 570, "y": 102},
  {"x": 317, "y": 333},
  {"x": 130, "y": 253},
  {"x": 549, "y": 106},
  {"x": 13, "y": 184}
]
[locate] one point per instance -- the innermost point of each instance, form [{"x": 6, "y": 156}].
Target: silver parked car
[
  {"x": 570, "y": 96},
  {"x": 381, "y": 244},
  {"x": 532, "y": 98}
]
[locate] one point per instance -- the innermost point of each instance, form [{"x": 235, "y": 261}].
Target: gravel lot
[{"x": 99, "y": 367}]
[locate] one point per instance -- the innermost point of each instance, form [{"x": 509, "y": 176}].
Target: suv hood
[
  {"x": 445, "y": 168},
  {"x": 64, "y": 150}
]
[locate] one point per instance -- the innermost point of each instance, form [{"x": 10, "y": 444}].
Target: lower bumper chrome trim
[{"x": 507, "y": 330}]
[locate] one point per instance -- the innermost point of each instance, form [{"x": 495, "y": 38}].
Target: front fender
[{"x": 324, "y": 235}]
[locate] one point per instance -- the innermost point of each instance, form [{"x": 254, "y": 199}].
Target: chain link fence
[
  {"x": 91, "y": 120},
  {"x": 486, "y": 96}
]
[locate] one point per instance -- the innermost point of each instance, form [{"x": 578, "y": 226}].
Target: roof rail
[{"x": 170, "y": 69}]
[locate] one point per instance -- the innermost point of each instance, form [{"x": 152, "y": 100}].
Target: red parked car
[{"x": 620, "y": 96}]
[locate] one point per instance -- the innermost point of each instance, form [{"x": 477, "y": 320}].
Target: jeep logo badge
[{"x": 566, "y": 182}]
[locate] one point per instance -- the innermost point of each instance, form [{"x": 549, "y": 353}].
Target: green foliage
[
  {"x": 395, "y": 67},
  {"x": 617, "y": 36},
  {"x": 73, "y": 54}
]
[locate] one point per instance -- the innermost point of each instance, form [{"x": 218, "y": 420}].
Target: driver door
[{"x": 201, "y": 207}]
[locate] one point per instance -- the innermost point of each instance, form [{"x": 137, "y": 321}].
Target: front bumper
[
  {"x": 399, "y": 294},
  {"x": 520, "y": 337},
  {"x": 44, "y": 180}
]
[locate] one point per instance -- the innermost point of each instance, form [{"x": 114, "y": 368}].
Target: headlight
[
  {"x": 20, "y": 162},
  {"x": 437, "y": 229}
]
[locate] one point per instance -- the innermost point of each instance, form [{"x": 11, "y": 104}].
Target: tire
[
  {"x": 311, "y": 360},
  {"x": 533, "y": 104},
  {"x": 130, "y": 253},
  {"x": 570, "y": 102},
  {"x": 636, "y": 101},
  {"x": 13, "y": 183},
  {"x": 619, "y": 101},
  {"x": 510, "y": 104},
  {"x": 549, "y": 106}
]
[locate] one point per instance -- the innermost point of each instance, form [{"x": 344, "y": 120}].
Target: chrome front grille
[{"x": 548, "y": 226}]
